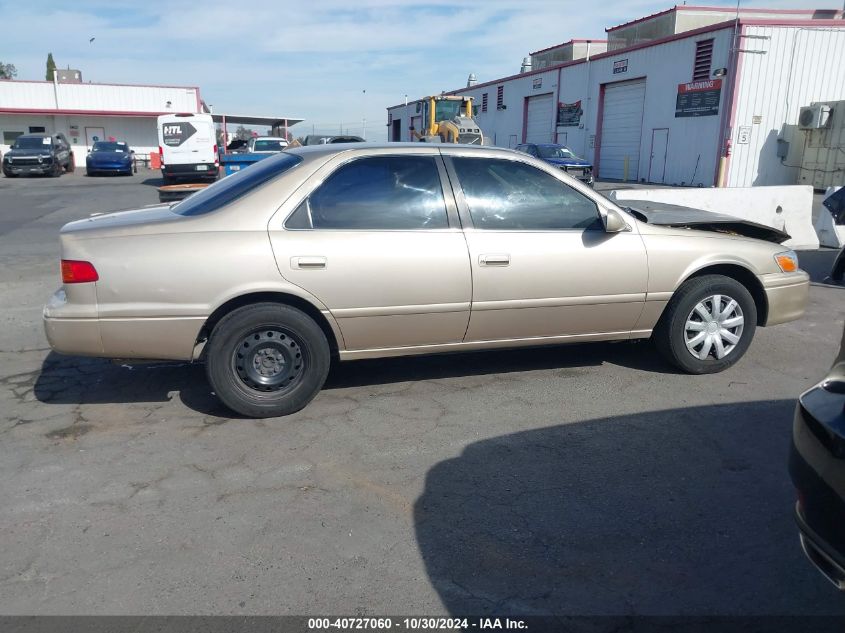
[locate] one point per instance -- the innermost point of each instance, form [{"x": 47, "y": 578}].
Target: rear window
[{"x": 233, "y": 187}]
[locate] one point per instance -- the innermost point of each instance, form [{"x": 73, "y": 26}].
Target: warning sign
[{"x": 698, "y": 98}]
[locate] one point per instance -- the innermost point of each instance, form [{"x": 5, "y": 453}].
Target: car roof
[{"x": 336, "y": 148}]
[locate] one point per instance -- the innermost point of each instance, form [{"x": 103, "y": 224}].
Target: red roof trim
[
  {"x": 548, "y": 48},
  {"x": 805, "y": 23},
  {"x": 42, "y": 111},
  {"x": 729, "y": 10},
  {"x": 638, "y": 20},
  {"x": 90, "y": 83}
]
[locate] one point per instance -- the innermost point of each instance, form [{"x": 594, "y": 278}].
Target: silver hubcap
[{"x": 714, "y": 327}]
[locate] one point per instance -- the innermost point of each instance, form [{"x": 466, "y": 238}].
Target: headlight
[{"x": 787, "y": 261}]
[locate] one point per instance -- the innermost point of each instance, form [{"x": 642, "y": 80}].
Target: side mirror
[{"x": 614, "y": 222}]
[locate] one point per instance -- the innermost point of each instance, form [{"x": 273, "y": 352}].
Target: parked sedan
[
  {"x": 354, "y": 251},
  {"x": 561, "y": 157},
  {"x": 109, "y": 157},
  {"x": 817, "y": 466},
  {"x": 38, "y": 154}
]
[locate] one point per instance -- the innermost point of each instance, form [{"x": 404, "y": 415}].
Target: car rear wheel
[
  {"x": 267, "y": 360},
  {"x": 708, "y": 325}
]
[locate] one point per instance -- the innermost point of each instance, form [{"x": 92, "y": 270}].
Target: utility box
[{"x": 823, "y": 162}]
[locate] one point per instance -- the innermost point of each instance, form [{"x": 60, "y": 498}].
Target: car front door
[
  {"x": 376, "y": 239},
  {"x": 542, "y": 263}
]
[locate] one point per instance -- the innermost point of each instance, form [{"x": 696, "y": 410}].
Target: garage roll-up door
[
  {"x": 621, "y": 131},
  {"x": 538, "y": 123}
]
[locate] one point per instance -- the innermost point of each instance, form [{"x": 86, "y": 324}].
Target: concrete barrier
[
  {"x": 788, "y": 208},
  {"x": 830, "y": 234}
]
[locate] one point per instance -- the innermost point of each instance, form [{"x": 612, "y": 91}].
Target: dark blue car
[
  {"x": 562, "y": 157},
  {"x": 109, "y": 157}
]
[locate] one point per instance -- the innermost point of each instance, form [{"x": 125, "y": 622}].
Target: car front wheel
[
  {"x": 267, "y": 360},
  {"x": 708, "y": 324}
]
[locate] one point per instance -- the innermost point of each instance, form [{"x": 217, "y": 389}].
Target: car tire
[
  {"x": 71, "y": 165},
  {"x": 56, "y": 170},
  {"x": 9, "y": 174},
  {"x": 690, "y": 337},
  {"x": 267, "y": 360}
]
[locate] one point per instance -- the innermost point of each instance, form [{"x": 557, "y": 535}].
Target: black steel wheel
[{"x": 267, "y": 360}]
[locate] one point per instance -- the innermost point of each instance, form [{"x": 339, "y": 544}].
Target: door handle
[
  {"x": 494, "y": 259},
  {"x": 309, "y": 263}
]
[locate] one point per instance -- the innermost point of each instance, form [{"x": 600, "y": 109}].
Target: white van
[{"x": 188, "y": 147}]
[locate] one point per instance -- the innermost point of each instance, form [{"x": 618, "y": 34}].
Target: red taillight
[
  {"x": 77, "y": 272},
  {"x": 216, "y": 156},
  {"x": 161, "y": 154}
]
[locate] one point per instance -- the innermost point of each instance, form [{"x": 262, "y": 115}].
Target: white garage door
[
  {"x": 621, "y": 130},
  {"x": 538, "y": 123}
]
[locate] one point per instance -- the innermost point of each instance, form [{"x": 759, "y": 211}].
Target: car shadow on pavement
[
  {"x": 636, "y": 355},
  {"x": 679, "y": 512},
  {"x": 82, "y": 380}
]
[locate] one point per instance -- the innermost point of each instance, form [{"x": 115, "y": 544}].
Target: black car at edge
[
  {"x": 817, "y": 467},
  {"x": 33, "y": 154}
]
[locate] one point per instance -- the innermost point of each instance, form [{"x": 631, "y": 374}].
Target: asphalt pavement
[{"x": 587, "y": 480}]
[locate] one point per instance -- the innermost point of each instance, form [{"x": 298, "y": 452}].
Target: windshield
[
  {"x": 446, "y": 110},
  {"x": 233, "y": 187},
  {"x": 32, "y": 142},
  {"x": 269, "y": 145},
  {"x": 105, "y": 146},
  {"x": 554, "y": 151}
]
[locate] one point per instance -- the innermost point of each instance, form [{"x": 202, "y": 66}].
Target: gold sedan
[{"x": 365, "y": 251}]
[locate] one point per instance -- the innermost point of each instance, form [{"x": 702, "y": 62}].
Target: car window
[
  {"x": 233, "y": 187},
  {"x": 269, "y": 145},
  {"x": 400, "y": 193},
  {"x": 509, "y": 195}
]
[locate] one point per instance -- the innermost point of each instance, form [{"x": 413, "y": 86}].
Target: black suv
[{"x": 38, "y": 154}]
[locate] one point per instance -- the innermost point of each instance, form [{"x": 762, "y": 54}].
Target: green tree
[
  {"x": 51, "y": 67},
  {"x": 243, "y": 133},
  {"x": 8, "y": 71}
]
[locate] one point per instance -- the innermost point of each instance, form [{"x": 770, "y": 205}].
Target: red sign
[{"x": 700, "y": 86}]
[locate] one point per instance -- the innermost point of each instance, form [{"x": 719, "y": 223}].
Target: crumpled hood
[
  {"x": 661, "y": 214},
  {"x": 568, "y": 162}
]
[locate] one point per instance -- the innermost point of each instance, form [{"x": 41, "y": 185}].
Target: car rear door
[
  {"x": 375, "y": 237},
  {"x": 542, "y": 264}
]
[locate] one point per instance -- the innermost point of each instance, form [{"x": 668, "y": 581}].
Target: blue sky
[{"x": 330, "y": 62}]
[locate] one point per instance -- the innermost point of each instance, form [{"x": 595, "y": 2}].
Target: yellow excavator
[{"x": 448, "y": 119}]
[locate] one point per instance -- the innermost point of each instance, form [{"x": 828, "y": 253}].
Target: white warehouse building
[
  {"x": 696, "y": 96},
  {"x": 87, "y": 112},
  {"x": 84, "y": 112}
]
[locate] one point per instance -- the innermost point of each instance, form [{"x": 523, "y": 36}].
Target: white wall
[
  {"x": 788, "y": 209},
  {"x": 691, "y": 140},
  {"x": 139, "y": 132},
  {"x": 800, "y": 65},
  {"x": 44, "y": 95}
]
